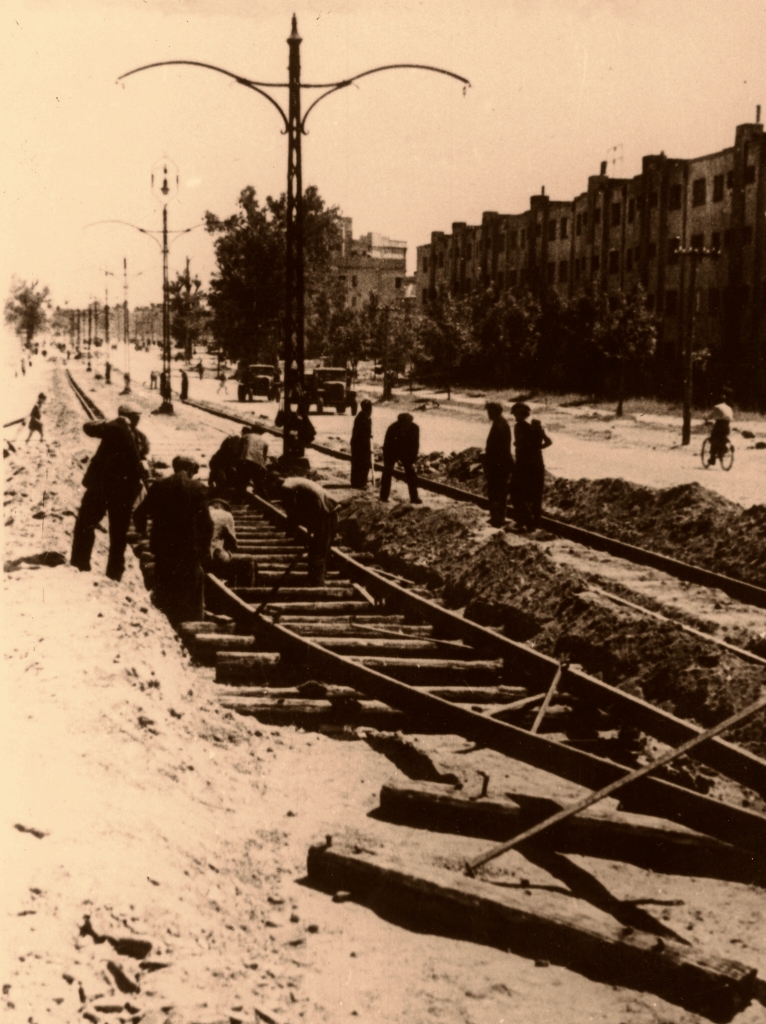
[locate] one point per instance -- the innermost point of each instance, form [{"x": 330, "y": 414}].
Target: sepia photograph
[{"x": 384, "y": 563}]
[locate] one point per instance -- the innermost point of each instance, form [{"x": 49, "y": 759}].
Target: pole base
[{"x": 166, "y": 409}]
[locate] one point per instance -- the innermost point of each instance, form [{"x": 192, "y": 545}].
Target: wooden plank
[
  {"x": 308, "y": 714},
  {"x": 288, "y": 593},
  {"x": 383, "y": 646},
  {"x": 597, "y": 832},
  {"x": 535, "y": 924},
  {"x": 348, "y": 628},
  {"x": 243, "y": 665}
]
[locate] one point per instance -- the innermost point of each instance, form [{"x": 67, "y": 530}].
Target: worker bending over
[{"x": 308, "y": 504}]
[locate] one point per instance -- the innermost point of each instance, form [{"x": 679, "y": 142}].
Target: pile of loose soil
[
  {"x": 510, "y": 583},
  {"x": 687, "y": 522}
]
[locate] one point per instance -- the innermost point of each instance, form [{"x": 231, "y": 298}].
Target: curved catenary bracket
[
  {"x": 144, "y": 231},
  {"x": 255, "y": 86},
  {"x": 385, "y": 67}
]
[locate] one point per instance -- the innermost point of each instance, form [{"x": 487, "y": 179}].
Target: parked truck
[
  {"x": 258, "y": 380},
  {"x": 330, "y": 386}
]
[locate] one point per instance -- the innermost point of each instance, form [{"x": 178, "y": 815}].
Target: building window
[
  {"x": 511, "y": 278},
  {"x": 652, "y": 200},
  {"x": 650, "y": 303},
  {"x": 718, "y": 188},
  {"x": 523, "y": 237},
  {"x": 563, "y": 270},
  {"x": 713, "y": 301},
  {"x": 424, "y": 296},
  {"x": 513, "y": 240},
  {"x": 631, "y": 210},
  {"x": 353, "y": 299},
  {"x": 727, "y": 237},
  {"x": 652, "y": 250},
  {"x": 538, "y": 230},
  {"x": 671, "y": 302},
  {"x": 500, "y": 282},
  {"x": 397, "y": 282},
  {"x": 747, "y": 234},
  {"x": 614, "y": 262},
  {"x": 425, "y": 264},
  {"x": 674, "y": 197},
  {"x": 551, "y": 273},
  {"x": 353, "y": 280},
  {"x": 468, "y": 250},
  {"x": 594, "y": 261},
  {"x": 577, "y": 270},
  {"x": 616, "y": 211},
  {"x": 750, "y": 174},
  {"x": 715, "y": 241},
  {"x": 578, "y": 224},
  {"x": 564, "y": 227},
  {"x": 698, "y": 192},
  {"x": 698, "y": 242},
  {"x": 551, "y": 230},
  {"x": 629, "y": 259},
  {"x": 597, "y": 215}
]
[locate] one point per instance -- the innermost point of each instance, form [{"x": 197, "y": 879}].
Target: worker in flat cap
[
  {"x": 112, "y": 483},
  {"x": 498, "y": 463},
  {"x": 528, "y": 480},
  {"x": 308, "y": 504},
  {"x": 182, "y": 530}
]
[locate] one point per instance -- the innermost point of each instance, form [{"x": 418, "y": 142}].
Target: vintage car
[
  {"x": 328, "y": 385},
  {"x": 258, "y": 379}
]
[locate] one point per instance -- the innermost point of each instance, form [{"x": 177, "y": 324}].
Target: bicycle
[{"x": 726, "y": 458}]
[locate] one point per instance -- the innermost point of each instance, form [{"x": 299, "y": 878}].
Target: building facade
[
  {"x": 371, "y": 264},
  {"x": 622, "y": 232}
]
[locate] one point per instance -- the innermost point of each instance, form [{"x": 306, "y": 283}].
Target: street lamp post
[
  {"x": 295, "y": 126},
  {"x": 693, "y": 255}
]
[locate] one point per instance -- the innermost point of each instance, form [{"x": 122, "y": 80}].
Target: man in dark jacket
[
  {"x": 180, "y": 540},
  {"x": 498, "y": 463},
  {"x": 401, "y": 444},
  {"x": 223, "y": 464},
  {"x": 308, "y": 504},
  {"x": 528, "y": 481},
  {"x": 361, "y": 446},
  {"x": 112, "y": 483}
]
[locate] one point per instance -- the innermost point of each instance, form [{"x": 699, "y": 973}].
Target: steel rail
[{"x": 740, "y": 590}]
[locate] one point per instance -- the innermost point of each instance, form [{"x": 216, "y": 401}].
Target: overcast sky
[{"x": 555, "y": 86}]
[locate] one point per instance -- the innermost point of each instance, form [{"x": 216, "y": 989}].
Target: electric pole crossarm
[
  {"x": 255, "y": 86},
  {"x": 372, "y": 71}
]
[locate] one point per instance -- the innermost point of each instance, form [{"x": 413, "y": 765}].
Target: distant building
[
  {"x": 625, "y": 231},
  {"x": 371, "y": 264}
]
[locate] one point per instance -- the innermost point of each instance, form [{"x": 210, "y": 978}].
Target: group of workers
[
  {"x": 192, "y": 527},
  {"x": 522, "y": 477}
]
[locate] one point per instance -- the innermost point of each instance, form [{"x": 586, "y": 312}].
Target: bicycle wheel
[
  {"x": 705, "y": 453},
  {"x": 727, "y": 459}
]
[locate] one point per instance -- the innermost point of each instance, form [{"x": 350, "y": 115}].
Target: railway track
[
  {"x": 740, "y": 590},
  {"x": 376, "y": 652}
]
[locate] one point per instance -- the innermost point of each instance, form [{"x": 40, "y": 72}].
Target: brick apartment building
[
  {"x": 624, "y": 231},
  {"x": 371, "y": 264}
]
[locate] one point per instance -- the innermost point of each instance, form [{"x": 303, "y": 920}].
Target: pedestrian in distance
[
  {"x": 308, "y": 504},
  {"x": 35, "y": 418},
  {"x": 112, "y": 484},
  {"x": 180, "y": 540},
  {"x": 498, "y": 463},
  {"x": 184, "y": 385},
  {"x": 722, "y": 416},
  {"x": 107, "y": 372},
  {"x": 153, "y": 380},
  {"x": 401, "y": 444},
  {"x": 222, "y": 383},
  {"x": 361, "y": 446},
  {"x": 200, "y": 369},
  {"x": 251, "y": 461},
  {"x": 528, "y": 479}
]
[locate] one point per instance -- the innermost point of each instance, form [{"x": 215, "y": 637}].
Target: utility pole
[
  {"x": 693, "y": 256},
  {"x": 125, "y": 326}
]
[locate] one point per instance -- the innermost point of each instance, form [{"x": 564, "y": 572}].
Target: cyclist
[{"x": 721, "y": 416}]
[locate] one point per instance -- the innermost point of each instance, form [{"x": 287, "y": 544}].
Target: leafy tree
[
  {"x": 27, "y": 309},
  {"x": 247, "y": 293},
  {"x": 446, "y": 339},
  {"x": 626, "y": 336},
  {"x": 187, "y": 313}
]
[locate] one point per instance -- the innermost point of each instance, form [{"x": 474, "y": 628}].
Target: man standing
[
  {"x": 180, "y": 540},
  {"x": 108, "y": 372},
  {"x": 498, "y": 463},
  {"x": 722, "y": 416},
  {"x": 308, "y": 504},
  {"x": 528, "y": 479},
  {"x": 112, "y": 483},
  {"x": 361, "y": 446},
  {"x": 184, "y": 385},
  {"x": 36, "y": 418},
  {"x": 401, "y": 444}
]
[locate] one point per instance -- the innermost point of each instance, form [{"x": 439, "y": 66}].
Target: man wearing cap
[
  {"x": 528, "y": 480},
  {"x": 308, "y": 504},
  {"x": 361, "y": 442},
  {"x": 401, "y": 444},
  {"x": 180, "y": 540},
  {"x": 498, "y": 463},
  {"x": 112, "y": 483},
  {"x": 223, "y": 559}
]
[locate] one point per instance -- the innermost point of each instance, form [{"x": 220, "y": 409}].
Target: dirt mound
[{"x": 687, "y": 522}]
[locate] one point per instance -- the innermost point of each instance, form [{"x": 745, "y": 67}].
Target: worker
[
  {"x": 528, "y": 480},
  {"x": 401, "y": 444},
  {"x": 184, "y": 385},
  {"x": 308, "y": 504},
  {"x": 153, "y": 380},
  {"x": 224, "y": 560},
  {"x": 223, "y": 465},
  {"x": 498, "y": 463},
  {"x": 361, "y": 446},
  {"x": 107, "y": 372},
  {"x": 112, "y": 484},
  {"x": 180, "y": 540},
  {"x": 251, "y": 461},
  {"x": 36, "y": 418}
]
